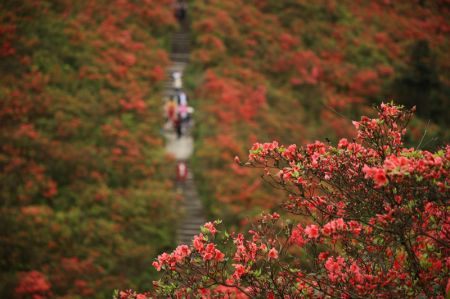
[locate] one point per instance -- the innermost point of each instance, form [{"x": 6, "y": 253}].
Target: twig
[
  {"x": 334, "y": 110},
  {"x": 424, "y": 134}
]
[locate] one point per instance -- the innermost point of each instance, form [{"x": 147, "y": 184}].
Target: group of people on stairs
[
  {"x": 180, "y": 10},
  {"x": 178, "y": 113}
]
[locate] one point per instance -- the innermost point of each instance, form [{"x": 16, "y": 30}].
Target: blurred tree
[{"x": 418, "y": 84}]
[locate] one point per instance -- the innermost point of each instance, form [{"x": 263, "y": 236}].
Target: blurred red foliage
[
  {"x": 80, "y": 151},
  {"x": 298, "y": 70}
]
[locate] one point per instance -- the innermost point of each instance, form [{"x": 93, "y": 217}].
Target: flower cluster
[
  {"x": 184, "y": 254},
  {"x": 34, "y": 284},
  {"x": 369, "y": 219}
]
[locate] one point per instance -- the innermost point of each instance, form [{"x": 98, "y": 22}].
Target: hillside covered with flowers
[
  {"x": 86, "y": 200},
  {"x": 310, "y": 204},
  {"x": 296, "y": 71}
]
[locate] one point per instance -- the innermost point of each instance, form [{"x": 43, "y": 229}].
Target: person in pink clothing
[
  {"x": 182, "y": 171},
  {"x": 183, "y": 114}
]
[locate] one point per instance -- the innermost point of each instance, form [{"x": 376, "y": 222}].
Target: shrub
[{"x": 365, "y": 218}]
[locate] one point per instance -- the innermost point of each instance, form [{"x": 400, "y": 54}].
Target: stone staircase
[
  {"x": 180, "y": 46},
  {"x": 192, "y": 209},
  {"x": 193, "y": 215}
]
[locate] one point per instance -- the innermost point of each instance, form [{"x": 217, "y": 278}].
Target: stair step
[
  {"x": 193, "y": 226},
  {"x": 198, "y": 214},
  {"x": 193, "y": 211},
  {"x": 188, "y": 232},
  {"x": 193, "y": 223},
  {"x": 181, "y": 37},
  {"x": 179, "y": 57},
  {"x": 193, "y": 214},
  {"x": 189, "y": 193},
  {"x": 192, "y": 200},
  {"x": 192, "y": 208},
  {"x": 181, "y": 42}
]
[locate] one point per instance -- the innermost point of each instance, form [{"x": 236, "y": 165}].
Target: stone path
[{"x": 182, "y": 148}]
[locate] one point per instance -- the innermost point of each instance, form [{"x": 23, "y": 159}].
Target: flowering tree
[{"x": 369, "y": 218}]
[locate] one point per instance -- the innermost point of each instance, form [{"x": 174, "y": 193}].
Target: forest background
[{"x": 87, "y": 199}]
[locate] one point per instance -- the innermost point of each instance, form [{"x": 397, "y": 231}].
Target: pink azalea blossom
[
  {"x": 210, "y": 227},
  {"x": 312, "y": 231},
  {"x": 273, "y": 254}
]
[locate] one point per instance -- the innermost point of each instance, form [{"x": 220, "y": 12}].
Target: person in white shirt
[{"x": 177, "y": 82}]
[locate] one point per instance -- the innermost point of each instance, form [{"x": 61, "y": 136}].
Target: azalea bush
[{"x": 363, "y": 218}]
